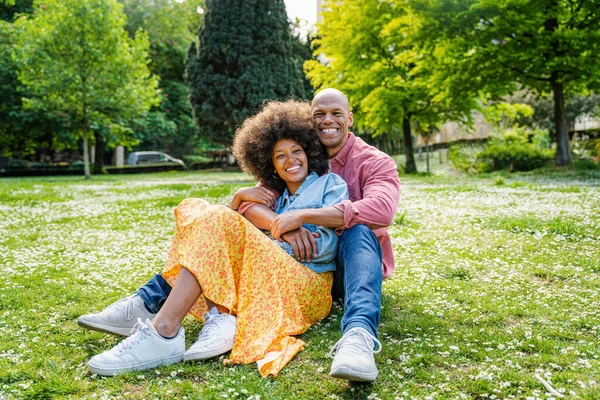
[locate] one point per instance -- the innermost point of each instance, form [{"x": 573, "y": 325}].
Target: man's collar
[{"x": 342, "y": 156}]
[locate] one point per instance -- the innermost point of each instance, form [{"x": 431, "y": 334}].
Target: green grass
[{"x": 497, "y": 279}]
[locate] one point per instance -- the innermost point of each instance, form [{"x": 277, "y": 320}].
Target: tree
[
  {"x": 23, "y": 132},
  {"x": 171, "y": 27},
  {"x": 386, "y": 76},
  {"x": 543, "y": 108},
  {"x": 499, "y": 46},
  {"x": 302, "y": 52},
  {"x": 75, "y": 58},
  {"x": 244, "y": 57},
  {"x": 10, "y": 8}
]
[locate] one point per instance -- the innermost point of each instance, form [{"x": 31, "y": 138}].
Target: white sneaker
[
  {"x": 119, "y": 318},
  {"x": 144, "y": 349},
  {"x": 216, "y": 336},
  {"x": 354, "y": 358}
]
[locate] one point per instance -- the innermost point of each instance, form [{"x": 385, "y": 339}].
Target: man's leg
[
  {"x": 120, "y": 317},
  {"x": 154, "y": 293},
  {"x": 359, "y": 268}
]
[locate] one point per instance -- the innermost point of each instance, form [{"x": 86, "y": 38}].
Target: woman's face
[{"x": 290, "y": 163}]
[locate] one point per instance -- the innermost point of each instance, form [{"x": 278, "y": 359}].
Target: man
[{"x": 364, "y": 257}]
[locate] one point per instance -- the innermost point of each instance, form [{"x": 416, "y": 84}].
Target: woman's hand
[
  {"x": 256, "y": 194},
  {"x": 303, "y": 242},
  {"x": 286, "y": 222}
]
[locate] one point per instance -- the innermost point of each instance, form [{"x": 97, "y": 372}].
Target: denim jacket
[{"x": 316, "y": 192}]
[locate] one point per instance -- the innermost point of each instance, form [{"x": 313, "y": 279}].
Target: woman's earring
[{"x": 275, "y": 176}]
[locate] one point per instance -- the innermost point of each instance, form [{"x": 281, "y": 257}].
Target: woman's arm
[
  {"x": 335, "y": 192},
  {"x": 302, "y": 242}
]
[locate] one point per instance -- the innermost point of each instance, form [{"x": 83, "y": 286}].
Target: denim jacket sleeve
[{"x": 335, "y": 192}]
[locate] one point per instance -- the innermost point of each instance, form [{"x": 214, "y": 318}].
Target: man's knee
[
  {"x": 358, "y": 230},
  {"x": 358, "y": 239}
]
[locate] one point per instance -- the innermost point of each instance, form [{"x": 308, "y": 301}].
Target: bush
[
  {"x": 195, "y": 162},
  {"x": 190, "y": 159},
  {"x": 145, "y": 168},
  {"x": 585, "y": 149},
  {"x": 512, "y": 151},
  {"x": 586, "y": 165},
  {"x": 515, "y": 156},
  {"x": 465, "y": 158}
]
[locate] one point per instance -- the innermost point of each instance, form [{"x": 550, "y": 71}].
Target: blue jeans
[
  {"x": 357, "y": 280},
  {"x": 155, "y": 293}
]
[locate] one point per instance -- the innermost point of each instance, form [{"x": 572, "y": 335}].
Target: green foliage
[
  {"x": 586, "y": 165},
  {"x": 75, "y": 58},
  {"x": 512, "y": 151},
  {"x": 543, "y": 108},
  {"x": 302, "y": 49},
  {"x": 243, "y": 58},
  {"x": 171, "y": 27},
  {"x": 506, "y": 113},
  {"x": 585, "y": 149},
  {"x": 10, "y": 8},
  {"x": 466, "y": 158},
  {"x": 22, "y": 131},
  {"x": 514, "y": 156},
  {"x": 189, "y": 159},
  {"x": 498, "y": 46},
  {"x": 372, "y": 58}
]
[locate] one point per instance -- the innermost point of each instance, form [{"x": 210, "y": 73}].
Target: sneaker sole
[
  {"x": 349, "y": 374},
  {"x": 205, "y": 355},
  {"x": 104, "y": 328},
  {"x": 148, "y": 365}
]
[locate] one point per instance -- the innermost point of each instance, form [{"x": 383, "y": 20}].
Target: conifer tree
[{"x": 244, "y": 57}]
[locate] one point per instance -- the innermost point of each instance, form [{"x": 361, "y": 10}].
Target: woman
[{"x": 257, "y": 293}]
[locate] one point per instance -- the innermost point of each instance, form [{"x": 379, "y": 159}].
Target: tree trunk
[
  {"x": 410, "y": 167},
  {"x": 427, "y": 155},
  {"x": 86, "y": 150},
  {"x": 563, "y": 146},
  {"x": 99, "y": 156}
]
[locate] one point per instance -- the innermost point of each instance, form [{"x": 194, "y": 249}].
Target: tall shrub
[{"x": 244, "y": 57}]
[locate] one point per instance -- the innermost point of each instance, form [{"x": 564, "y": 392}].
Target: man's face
[{"x": 332, "y": 118}]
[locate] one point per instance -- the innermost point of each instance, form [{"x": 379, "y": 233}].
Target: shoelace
[
  {"x": 129, "y": 308},
  {"x": 364, "y": 335},
  {"x": 211, "y": 324},
  {"x": 139, "y": 332}
]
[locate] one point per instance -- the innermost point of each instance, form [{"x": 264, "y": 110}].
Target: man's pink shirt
[{"x": 374, "y": 188}]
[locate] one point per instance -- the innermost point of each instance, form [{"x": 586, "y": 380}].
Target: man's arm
[
  {"x": 256, "y": 194},
  {"x": 301, "y": 239},
  {"x": 330, "y": 217},
  {"x": 381, "y": 194},
  {"x": 380, "y": 197}
]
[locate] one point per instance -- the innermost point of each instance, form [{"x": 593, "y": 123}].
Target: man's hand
[
  {"x": 256, "y": 194},
  {"x": 286, "y": 222},
  {"x": 303, "y": 242}
]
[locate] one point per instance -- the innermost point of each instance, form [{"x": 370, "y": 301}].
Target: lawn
[{"x": 497, "y": 281}]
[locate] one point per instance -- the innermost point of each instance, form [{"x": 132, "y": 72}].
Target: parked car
[{"x": 151, "y": 157}]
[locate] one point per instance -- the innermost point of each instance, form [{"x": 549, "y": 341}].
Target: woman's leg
[
  {"x": 183, "y": 296},
  {"x": 220, "y": 308}
]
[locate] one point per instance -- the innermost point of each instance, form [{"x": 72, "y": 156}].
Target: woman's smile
[{"x": 290, "y": 162}]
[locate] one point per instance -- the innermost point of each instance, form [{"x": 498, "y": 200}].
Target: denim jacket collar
[{"x": 288, "y": 198}]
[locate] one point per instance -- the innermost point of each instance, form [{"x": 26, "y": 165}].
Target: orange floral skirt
[{"x": 239, "y": 267}]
